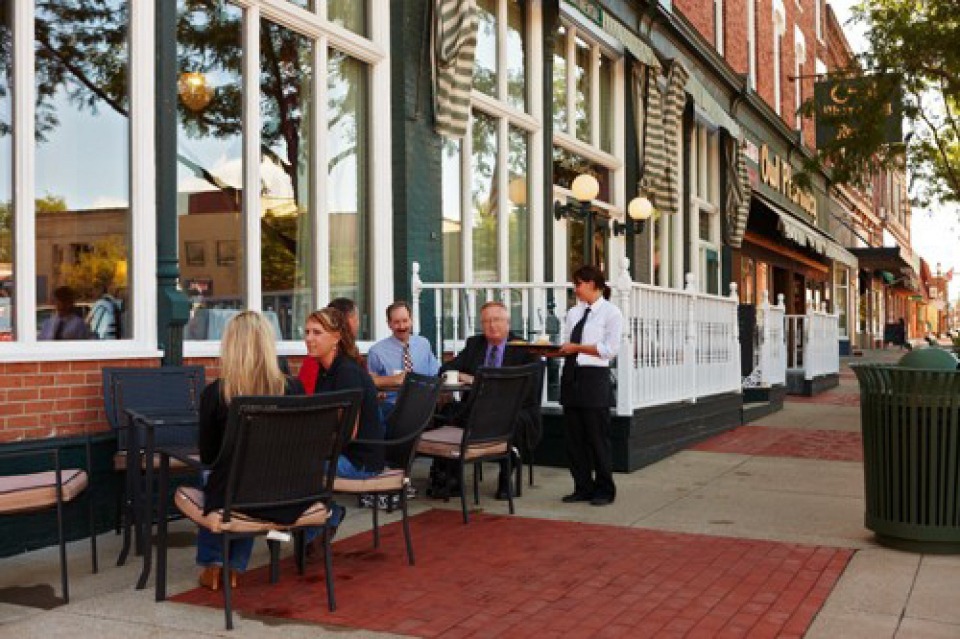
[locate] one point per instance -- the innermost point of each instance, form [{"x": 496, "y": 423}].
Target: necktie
[
  {"x": 492, "y": 357},
  {"x": 407, "y": 359},
  {"x": 576, "y": 336}
]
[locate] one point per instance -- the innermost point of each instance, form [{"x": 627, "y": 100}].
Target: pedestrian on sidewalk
[{"x": 591, "y": 341}]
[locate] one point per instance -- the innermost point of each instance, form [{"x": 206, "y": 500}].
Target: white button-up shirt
[{"x": 602, "y": 329}]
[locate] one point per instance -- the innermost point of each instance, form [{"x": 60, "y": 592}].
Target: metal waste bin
[{"x": 910, "y": 421}]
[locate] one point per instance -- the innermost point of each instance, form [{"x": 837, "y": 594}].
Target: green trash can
[{"x": 910, "y": 422}]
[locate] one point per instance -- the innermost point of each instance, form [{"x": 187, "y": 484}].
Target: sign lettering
[{"x": 777, "y": 173}]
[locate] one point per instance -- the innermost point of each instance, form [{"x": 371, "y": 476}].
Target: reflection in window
[
  {"x": 452, "y": 218},
  {"x": 519, "y": 212},
  {"x": 6, "y": 170},
  {"x": 560, "y": 81},
  {"x": 347, "y": 200},
  {"x": 485, "y": 63},
  {"x": 605, "y": 116},
  {"x": 582, "y": 73},
  {"x": 516, "y": 57},
  {"x": 484, "y": 198},
  {"x": 83, "y": 196},
  {"x": 286, "y": 74},
  {"x": 748, "y": 281},
  {"x": 210, "y": 163},
  {"x": 349, "y": 14}
]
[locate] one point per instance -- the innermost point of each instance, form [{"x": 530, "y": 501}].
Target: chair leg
[
  {"x": 510, "y": 474},
  {"x": 406, "y": 523},
  {"x": 274, "y": 547},
  {"x": 121, "y": 498},
  {"x": 375, "y": 507},
  {"x": 328, "y": 569},
  {"x": 518, "y": 471},
  {"x": 530, "y": 466},
  {"x": 477, "y": 478},
  {"x": 160, "y": 590},
  {"x": 227, "y": 590},
  {"x": 300, "y": 551},
  {"x": 93, "y": 531},
  {"x": 64, "y": 586},
  {"x": 127, "y": 517},
  {"x": 463, "y": 493}
]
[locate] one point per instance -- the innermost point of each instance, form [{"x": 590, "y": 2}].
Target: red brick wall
[{"x": 40, "y": 400}]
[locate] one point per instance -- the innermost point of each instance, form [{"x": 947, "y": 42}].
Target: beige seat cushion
[
  {"x": 120, "y": 462},
  {"x": 445, "y": 442},
  {"x": 388, "y": 480},
  {"x": 21, "y": 493},
  {"x": 190, "y": 503}
]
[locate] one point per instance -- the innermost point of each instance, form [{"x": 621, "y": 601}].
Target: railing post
[
  {"x": 735, "y": 334},
  {"x": 623, "y": 292},
  {"x": 809, "y": 350},
  {"x": 690, "y": 343},
  {"x": 763, "y": 319},
  {"x": 416, "y": 286}
]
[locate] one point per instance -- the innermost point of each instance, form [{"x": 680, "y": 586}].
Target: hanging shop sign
[
  {"x": 777, "y": 173},
  {"x": 590, "y": 8},
  {"x": 845, "y": 104}
]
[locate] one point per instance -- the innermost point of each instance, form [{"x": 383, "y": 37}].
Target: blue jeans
[
  {"x": 347, "y": 470},
  {"x": 210, "y": 547}
]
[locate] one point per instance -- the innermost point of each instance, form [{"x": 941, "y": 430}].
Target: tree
[
  {"x": 913, "y": 45},
  {"x": 101, "y": 269}
]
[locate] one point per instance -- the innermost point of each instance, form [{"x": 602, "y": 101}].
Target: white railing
[
  {"x": 770, "y": 349},
  {"x": 677, "y": 345},
  {"x": 813, "y": 342}
]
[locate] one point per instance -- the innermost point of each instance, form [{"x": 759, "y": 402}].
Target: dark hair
[
  {"x": 333, "y": 321},
  {"x": 396, "y": 305},
  {"x": 591, "y": 273},
  {"x": 343, "y": 304},
  {"x": 64, "y": 294}
]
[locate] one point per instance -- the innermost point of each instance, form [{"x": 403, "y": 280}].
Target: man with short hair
[
  {"x": 390, "y": 359},
  {"x": 492, "y": 350}
]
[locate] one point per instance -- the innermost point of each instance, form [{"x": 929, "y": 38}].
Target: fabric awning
[
  {"x": 806, "y": 235},
  {"x": 716, "y": 113},
  {"x": 889, "y": 263},
  {"x": 637, "y": 47}
]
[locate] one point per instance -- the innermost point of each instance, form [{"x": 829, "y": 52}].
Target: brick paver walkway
[
  {"x": 787, "y": 442},
  {"x": 833, "y": 397},
  {"x": 516, "y": 576}
]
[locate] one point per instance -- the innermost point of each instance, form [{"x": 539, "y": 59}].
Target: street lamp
[
  {"x": 638, "y": 212},
  {"x": 584, "y": 189}
]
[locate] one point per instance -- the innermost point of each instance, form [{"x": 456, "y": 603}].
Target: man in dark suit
[{"x": 491, "y": 350}]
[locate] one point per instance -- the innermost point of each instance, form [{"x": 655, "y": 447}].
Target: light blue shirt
[{"x": 386, "y": 356}]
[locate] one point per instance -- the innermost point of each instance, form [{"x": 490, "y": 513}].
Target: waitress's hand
[{"x": 569, "y": 348}]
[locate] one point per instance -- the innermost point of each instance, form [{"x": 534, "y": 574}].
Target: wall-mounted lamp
[
  {"x": 638, "y": 212},
  {"x": 584, "y": 189}
]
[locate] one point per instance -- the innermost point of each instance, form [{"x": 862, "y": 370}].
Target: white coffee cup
[{"x": 451, "y": 377}]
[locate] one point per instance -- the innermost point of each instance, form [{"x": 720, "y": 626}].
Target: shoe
[
  {"x": 573, "y": 498},
  {"x": 211, "y": 578},
  {"x": 411, "y": 492},
  {"x": 601, "y": 500},
  {"x": 366, "y": 500}
]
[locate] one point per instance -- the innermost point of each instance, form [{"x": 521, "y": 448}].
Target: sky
[{"x": 936, "y": 231}]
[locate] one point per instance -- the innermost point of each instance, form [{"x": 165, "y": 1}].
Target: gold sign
[{"x": 777, "y": 173}]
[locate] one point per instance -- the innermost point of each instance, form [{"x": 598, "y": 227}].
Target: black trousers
[{"x": 585, "y": 395}]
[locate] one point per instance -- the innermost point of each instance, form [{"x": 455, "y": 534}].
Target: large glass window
[
  {"x": 841, "y": 281},
  {"x": 6, "y": 170},
  {"x": 484, "y": 198},
  {"x": 705, "y": 206},
  {"x": 349, "y": 14},
  {"x": 485, "y": 61},
  {"x": 560, "y": 119},
  {"x": 452, "y": 222},
  {"x": 519, "y": 213},
  {"x": 82, "y": 187},
  {"x": 516, "y": 58},
  {"x": 210, "y": 164}
]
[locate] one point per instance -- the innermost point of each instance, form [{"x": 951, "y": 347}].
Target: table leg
[{"x": 147, "y": 510}]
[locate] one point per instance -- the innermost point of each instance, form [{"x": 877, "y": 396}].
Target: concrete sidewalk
[{"x": 781, "y": 489}]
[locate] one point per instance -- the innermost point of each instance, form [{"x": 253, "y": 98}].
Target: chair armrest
[
  {"x": 183, "y": 455},
  {"x": 385, "y": 443}
]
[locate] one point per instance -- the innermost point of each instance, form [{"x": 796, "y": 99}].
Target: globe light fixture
[
  {"x": 638, "y": 212},
  {"x": 584, "y": 189},
  {"x": 194, "y": 91}
]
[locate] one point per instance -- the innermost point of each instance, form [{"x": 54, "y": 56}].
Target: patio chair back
[
  {"x": 175, "y": 387},
  {"x": 414, "y": 410},
  {"x": 283, "y": 451},
  {"x": 495, "y": 400}
]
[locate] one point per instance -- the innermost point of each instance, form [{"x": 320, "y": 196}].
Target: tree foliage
[
  {"x": 916, "y": 42},
  {"x": 102, "y": 268}
]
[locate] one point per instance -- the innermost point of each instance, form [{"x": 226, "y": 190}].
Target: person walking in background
[
  {"x": 105, "y": 318},
  {"x": 591, "y": 340},
  {"x": 248, "y": 366},
  {"x": 66, "y": 323}
]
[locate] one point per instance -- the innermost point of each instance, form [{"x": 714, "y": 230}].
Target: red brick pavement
[
  {"x": 787, "y": 442},
  {"x": 515, "y": 576},
  {"x": 833, "y": 398}
]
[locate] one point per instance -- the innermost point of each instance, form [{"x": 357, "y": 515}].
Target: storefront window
[
  {"x": 516, "y": 57},
  {"x": 82, "y": 184},
  {"x": 605, "y": 115},
  {"x": 560, "y": 122},
  {"x": 484, "y": 198},
  {"x": 519, "y": 214},
  {"x": 349, "y": 14},
  {"x": 210, "y": 165},
  {"x": 583, "y": 79},
  {"x": 485, "y": 62},
  {"x": 452, "y": 220},
  {"x": 6, "y": 170},
  {"x": 704, "y": 212},
  {"x": 347, "y": 199},
  {"x": 841, "y": 298},
  {"x": 748, "y": 281}
]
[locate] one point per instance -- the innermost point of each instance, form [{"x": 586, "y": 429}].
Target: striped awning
[
  {"x": 805, "y": 235},
  {"x": 454, "y": 50},
  {"x": 738, "y": 194},
  {"x": 637, "y": 47},
  {"x": 711, "y": 107}
]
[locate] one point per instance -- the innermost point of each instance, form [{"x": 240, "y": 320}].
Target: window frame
[{"x": 704, "y": 144}]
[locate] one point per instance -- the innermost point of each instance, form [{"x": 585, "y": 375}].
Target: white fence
[
  {"x": 813, "y": 342},
  {"x": 769, "y": 345},
  {"x": 678, "y": 345}
]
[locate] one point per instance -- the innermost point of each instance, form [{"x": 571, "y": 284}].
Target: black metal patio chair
[
  {"x": 413, "y": 412},
  {"x": 49, "y": 489},
  {"x": 279, "y": 452},
  {"x": 169, "y": 387},
  {"x": 489, "y": 429}
]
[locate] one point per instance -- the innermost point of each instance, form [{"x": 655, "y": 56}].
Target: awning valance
[
  {"x": 716, "y": 113},
  {"x": 637, "y": 47},
  {"x": 805, "y": 235},
  {"x": 889, "y": 263}
]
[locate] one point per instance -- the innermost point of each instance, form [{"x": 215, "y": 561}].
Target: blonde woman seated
[{"x": 248, "y": 366}]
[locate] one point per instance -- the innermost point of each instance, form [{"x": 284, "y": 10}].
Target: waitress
[{"x": 591, "y": 341}]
